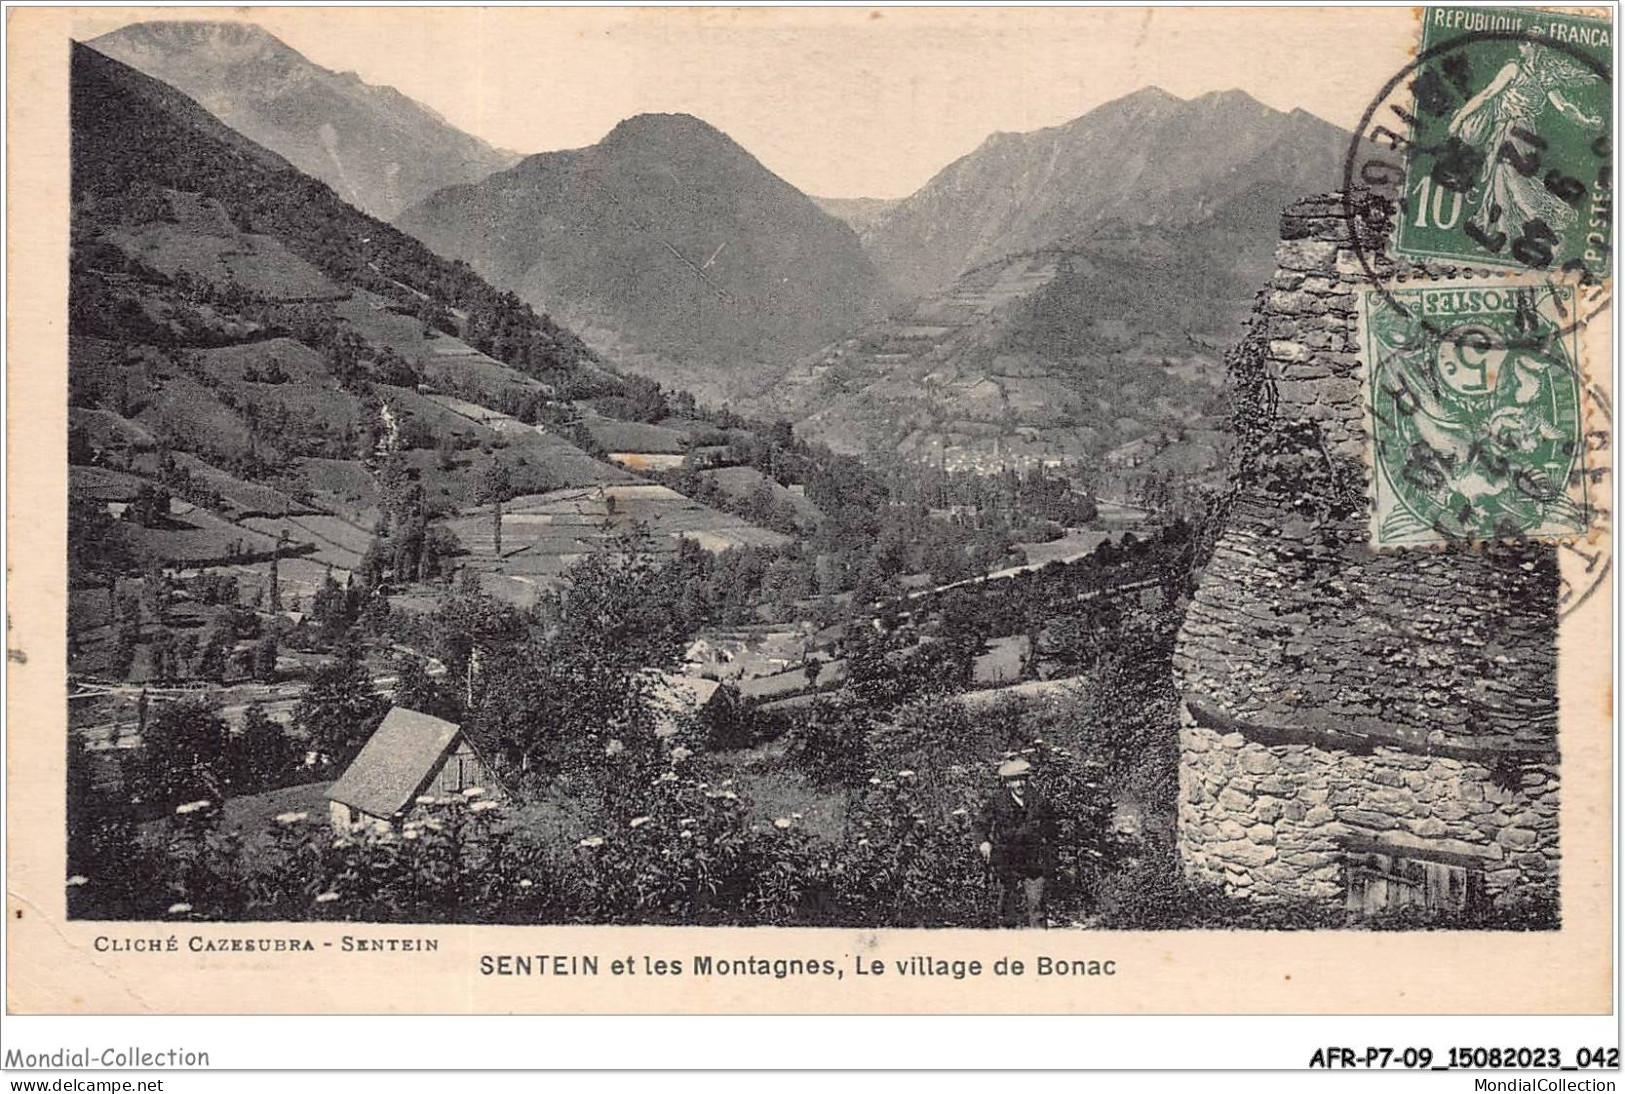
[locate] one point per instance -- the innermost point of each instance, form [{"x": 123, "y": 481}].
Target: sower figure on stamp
[{"x": 1017, "y": 833}]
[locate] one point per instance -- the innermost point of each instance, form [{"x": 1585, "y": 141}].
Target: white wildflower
[
  {"x": 614, "y": 748},
  {"x": 960, "y": 812},
  {"x": 480, "y": 807},
  {"x": 327, "y": 897},
  {"x": 874, "y": 780},
  {"x": 525, "y": 883},
  {"x": 592, "y": 841},
  {"x": 639, "y": 822},
  {"x": 291, "y": 818},
  {"x": 905, "y": 774},
  {"x": 680, "y": 753},
  {"x": 411, "y": 833},
  {"x": 78, "y": 879},
  {"x": 667, "y": 777},
  {"x": 179, "y": 909},
  {"x": 783, "y": 822},
  {"x": 473, "y": 791},
  {"x": 425, "y": 799},
  {"x": 685, "y": 834}
]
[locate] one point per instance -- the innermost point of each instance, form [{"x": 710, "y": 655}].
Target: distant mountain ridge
[
  {"x": 860, "y": 213},
  {"x": 1069, "y": 289},
  {"x": 1148, "y": 160},
  {"x": 668, "y": 234},
  {"x": 378, "y": 149}
]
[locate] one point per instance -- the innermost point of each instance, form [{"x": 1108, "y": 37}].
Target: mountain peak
[
  {"x": 1233, "y": 98},
  {"x": 376, "y": 147},
  {"x": 223, "y": 40},
  {"x": 671, "y": 235},
  {"x": 1148, "y": 157},
  {"x": 1151, "y": 93},
  {"x": 640, "y": 128}
]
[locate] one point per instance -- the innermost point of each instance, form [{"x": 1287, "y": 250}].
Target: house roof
[
  {"x": 395, "y": 763},
  {"x": 672, "y": 695},
  {"x": 677, "y": 692}
]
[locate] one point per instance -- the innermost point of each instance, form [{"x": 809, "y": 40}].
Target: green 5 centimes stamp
[
  {"x": 1475, "y": 412},
  {"x": 1507, "y": 157}
]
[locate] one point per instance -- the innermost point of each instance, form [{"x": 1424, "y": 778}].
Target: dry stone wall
[{"x": 1339, "y": 702}]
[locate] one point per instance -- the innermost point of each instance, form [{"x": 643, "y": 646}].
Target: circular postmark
[
  {"x": 1594, "y": 556},
  {"x": 1493, "y": 147}
]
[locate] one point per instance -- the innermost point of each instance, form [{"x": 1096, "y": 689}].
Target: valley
[{"x": 682, "y": 509}]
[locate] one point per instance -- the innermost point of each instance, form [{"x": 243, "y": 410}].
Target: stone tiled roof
[{"x": 396, "y": 763}]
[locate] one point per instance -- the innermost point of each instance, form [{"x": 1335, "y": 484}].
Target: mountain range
[
  {"x": 1068, "y": 290},
  {"x": 376, "y": 148},
  {"x": 1052, "y": 296},
  {"x": 1147, "y": 160}
]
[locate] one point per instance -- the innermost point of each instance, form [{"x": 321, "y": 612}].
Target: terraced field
[
  {"x": 741, "y": 482},
  {"x": 544, "y": 534},
  {"x": 336, "y": 541}
]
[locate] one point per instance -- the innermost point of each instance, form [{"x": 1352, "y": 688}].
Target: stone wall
[{"x": 1338, "y": 700}]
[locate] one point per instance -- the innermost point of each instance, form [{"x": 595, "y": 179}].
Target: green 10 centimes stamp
[
  {"x": 1507, "y": 154},
  {"x": 1475, "y": 412}
]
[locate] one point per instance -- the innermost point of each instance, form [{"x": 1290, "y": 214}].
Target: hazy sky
[{"x": 844, "y": 102}]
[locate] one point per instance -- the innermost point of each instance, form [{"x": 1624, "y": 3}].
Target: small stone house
[{"x": 411, "y": 755}]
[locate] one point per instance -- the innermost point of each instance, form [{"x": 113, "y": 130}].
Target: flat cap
[{"x": 1011, "y": 769}]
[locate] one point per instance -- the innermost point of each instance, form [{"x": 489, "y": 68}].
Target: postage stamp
[
  {"x": 1476, "y": 412},
  {"x": 1507, "y": 159}
]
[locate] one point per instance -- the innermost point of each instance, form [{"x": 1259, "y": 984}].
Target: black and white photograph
[{"x": 1048, "y": 474}]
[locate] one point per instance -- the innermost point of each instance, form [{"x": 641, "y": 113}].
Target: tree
[
  {"x": 340, "y": 710},
  {"x": 416, "y": 690},
  {"x": 495, "y": 487},
  {"x": 161, "y": 654},
  {"x": 275, "y": 599},
  {"x": 157, "y": 592},
  {"x": 126, "y": 639},
  {"x": 623, "y": 608},
  {"x": 260, "y": 754},
  {"x": 830, "y": 743},
  {"x": 182, "y": 751},
  {"x": 331, "y": 608},
  {"x": 265, "y": 654},
  {"x": 150, "y": 507},
  {"x": 214, "y": 652},
  {"x": 726, "y": 721},
  {"x": 445, "y": 451}
]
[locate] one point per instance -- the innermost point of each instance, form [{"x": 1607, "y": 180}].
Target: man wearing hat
[{"x": 1017, "y": 833}]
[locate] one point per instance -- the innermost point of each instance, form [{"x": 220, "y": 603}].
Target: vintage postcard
[{"x": 521, "y": 510}]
